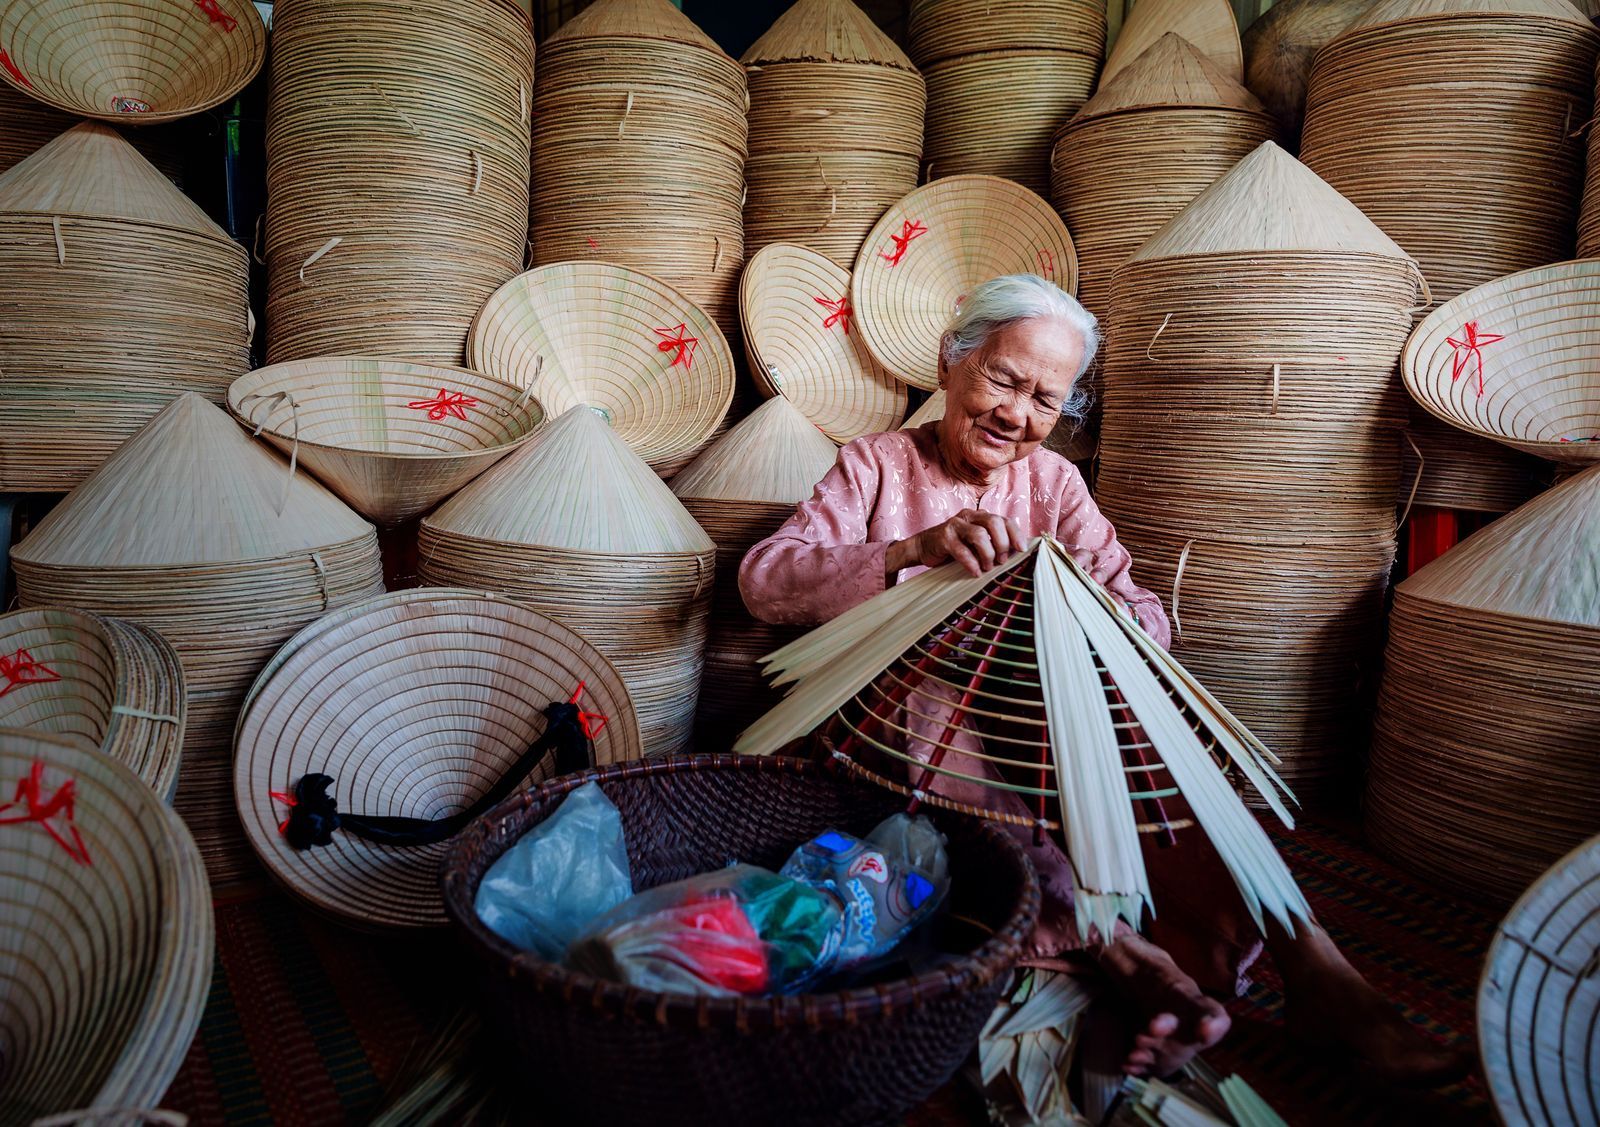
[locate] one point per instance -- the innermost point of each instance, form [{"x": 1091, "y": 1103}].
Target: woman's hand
[{"x": 976, "y": 540}]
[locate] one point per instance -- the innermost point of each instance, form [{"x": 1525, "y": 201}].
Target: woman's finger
[
  {"x": 999, "y": 530},
  {"x": 976, "y": 537},
  {"x": 1018, "y": 540}
]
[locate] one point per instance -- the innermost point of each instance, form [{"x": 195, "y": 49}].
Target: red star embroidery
[
  {"x": 60, "y": 806},
  {"x": 445, "y": 403},
  {"x": 908, "y": 230},
  {"x": 213, "y": 9},
  {"x": 1047, "y": 262},
  {"x": 678, "y": 338},
  {"x": 1470, "y": 346},
  {"x": 14, "y": 70},
  {"x": 21, "y": 669},
  {"x": 840, "y": 315},
  {"x": 586, "y": 720}
]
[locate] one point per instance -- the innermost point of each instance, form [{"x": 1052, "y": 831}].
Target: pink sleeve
[
  {"x": 819, "y": 565},
  {"x": 1088, "y": 535}
]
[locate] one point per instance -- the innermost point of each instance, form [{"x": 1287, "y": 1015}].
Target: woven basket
[
  {"x": 934, "y": 246},
  {"x": 391, "y": 438},
  {"x": 107, "y": 959},
  {"x": 862, "y": 1056},
  {"x": 1278, "y": 49},
  {"x": 1208, "y": 25}
]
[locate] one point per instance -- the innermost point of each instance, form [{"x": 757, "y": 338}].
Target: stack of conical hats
[
  {"x": 198, "y": 531},
  {"x": 741, "y": 490},
  {"x": 119, "y": 294},
  {"x": 1002, "y": 76},
  {"x": 1150, "y": 140},
  {"x": 398, "y": 134},
  {"x": 1208, "y": 25},
  {"x": 1589, "y": 211},
  {"x": 1279, "y": 48},
  {"x": 1486, "y": 758},
  {"x": 1473, "y": 171},
  {"x": 577, "y": 526},
  {"x": 639, "y": 154},
  {"x": 835, "y": 129},
  {"x": 1249, "y": 450},
  {"x": 26, "y": 126}
]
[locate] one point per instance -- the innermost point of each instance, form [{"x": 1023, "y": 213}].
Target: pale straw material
[
  {"x": 1279, "y": 47},
  {"x": 578, "y": 527},
  {"x": 929, "y": 251},
  {"x": 1208, "y": 24},
  {"x": 139, "y": 60},
  {"x": 1485, "y": 759},
  {"x": 194, "y": 529},
  {"x": 627, "y": 344},
  {"x": 105, "y": 935},
  {"x": 120, "y": 293},
  {"x": 398, "y": 134},
  {"x": 391, "y": 437},
  {"x": 416, "y": 703},
  {"x": 932, "y": 410},
  {"x": 802, "y": 342}
]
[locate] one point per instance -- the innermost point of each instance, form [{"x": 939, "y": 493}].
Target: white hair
[{"x": 1004, "y": 301}]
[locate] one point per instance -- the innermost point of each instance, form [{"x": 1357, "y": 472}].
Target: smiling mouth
[{"x": 994, "y": 439}]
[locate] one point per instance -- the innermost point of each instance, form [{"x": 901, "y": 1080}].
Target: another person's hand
[{"x": 974, "y": 539}]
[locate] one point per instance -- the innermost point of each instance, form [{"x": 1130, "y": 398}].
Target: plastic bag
[{"x": 563, "y": 873}]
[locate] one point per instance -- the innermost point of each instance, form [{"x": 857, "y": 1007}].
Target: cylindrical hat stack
[
  {"x": 117, "y": 293},
  {"x": 1003, "y": 75},
  {"x": 1589, "y": 212},
  {"x": 639, "y": 152},
  {"x": 397, "y": 173},
  {"x": 1249, "y": 449},
  {"x": 1278, "y": 51},
  {"x": 1207, "y": 25},
  {"x": 1448, "y": 122},
  {"x": 26, "y": 126},
  {"x": 835, "y": 129}
]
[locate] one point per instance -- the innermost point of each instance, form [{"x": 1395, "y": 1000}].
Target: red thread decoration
[
  {"x": 21, "y": 669},
  {"x": 30, "y": 793},
  {"x": 288, "y": 800},
  {"x": 1469, "y": 346},
  {"x": 593, "y": 245},
  {"x": 586, "y": 720},
  {"x": 840, "y": 315},
  {"x": 1047, "y": 261},
  {"x": 445, "y": 403},
  {"x": 14, "y": 70},
  {"x": 908, "y": 230},
  {"x": 214, "y": 11},
  {"x": 678, "y": 338}
]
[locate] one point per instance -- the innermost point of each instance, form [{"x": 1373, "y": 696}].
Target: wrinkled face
[{"x": 1004, "y": 398}]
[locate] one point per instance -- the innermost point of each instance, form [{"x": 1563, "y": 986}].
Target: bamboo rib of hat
[
  {"x": 133, "y": 60},
  {"x": 206, "y": 536},
  {"x": 835, "y": 129},
  {"x": 105, "y": 934},
  {"x": 930, "y": 249},
  {"x": 802, "y": 344},
  {"x": 1249, "y": 449},
  {"x": 578, "y": 527},
  {"x": 106, "y": 684},
  {"x": 632, "y": 347},
  {"x": 1002, "y": 75},
  {"x": 120, "y": 294},
  {"x": 1207, "y": 24},
  {"x": 1538, "y": 1005},
  {"x": 1472, "y": 172},
  {"x": 398, "y": 135},
  {"x": 1485, "y": 759},
  {"x": 740, "y": 491},
  {"x": 416, "y": 704},
  {"x": 390, "y": 437},
  {"x": 1086, "y": 724},
  {"x": 1279, "y": 47},
  {"x": 639, "y": 155}
]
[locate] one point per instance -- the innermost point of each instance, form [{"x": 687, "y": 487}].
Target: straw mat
[{"x": 1208, "y": 25}]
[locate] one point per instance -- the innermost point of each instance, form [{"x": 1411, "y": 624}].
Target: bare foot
[{"x": 1180, "y": 1021}]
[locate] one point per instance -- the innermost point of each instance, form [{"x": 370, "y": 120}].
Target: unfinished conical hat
[
  {"x": 614, "y": 339},
  {"x": 190, "y": 487},
  {"x": 775, "y": 454},
  {"x": 632, "y": 19},
  {"x": 138, "y": 60},
  {"x": 576, "y": 485},
  {"x": 1170, "y": 73},
  {"x": 933, "y": 247},
  {"x": 795, "y": 307},
  {"x": 1393, "y": 11},
  {"x": 1208, "y": 24},
  {"x": 825, "y": 31},
  {"x": 931, "y": 411}
]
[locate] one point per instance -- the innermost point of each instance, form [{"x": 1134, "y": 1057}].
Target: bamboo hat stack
[
  {"x": 107, "y": 684},
  {"x": 1485, "y": 759},
  {"x": 1208, "y": 25},
  {"x": 26, "y": 126},
  {"x": 119, "y": 294},
  {"x": 1002, "y": 76},
  {"x": 1279, "y": 47},
  {"x": 416, "y": 704},
  {"x": 740, "y": 491},
  {"x": 1249, "y": 449},
  {"x": 801, "y": 341},
  {"x": 1589, "y": 211},
  {"x": 835, "y": 129},
  {"x": 397, "y": 173},
  {"x": 390, "y": 437},
  {"x": 639, "y": 155},
  {"x": 197, "y": 531},
  {"x": 105, "y": 935},
  {"x": 1151, "y": 140},
  {"x": 1470, "y": 169},
  {"x": 578, "y": 527}
]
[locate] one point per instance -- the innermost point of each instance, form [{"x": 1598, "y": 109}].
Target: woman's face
[{"x": 1004, "y": 398}]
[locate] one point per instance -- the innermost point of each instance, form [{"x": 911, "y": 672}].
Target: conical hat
[
  {"x": 825, "y": 31},
  {"x": 1208, "y": 24},
  {"x": 578, "y": 486},
  {"x": 1170, "y": 72},
  {"x": 1393, "y": 11},
  {"x": 1269, "y": 202},
  {"x": 1540, "y": 562},
  {"x": 190, "y": 487},
  {"x": 930, "y": 411},
  {"x": 632, "y": 19},
  {"x": 775, "y": 454}
]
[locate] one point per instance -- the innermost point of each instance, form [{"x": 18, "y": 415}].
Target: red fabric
[
  {"x": 702, "y": 931},
  {"x": 1430, "y": 533}
]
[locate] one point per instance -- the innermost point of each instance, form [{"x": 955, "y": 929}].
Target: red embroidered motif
[
  {"x": 30, "y": 793},
  {"x": 214, "y": 10},
  {"x": 840, "y": 315},
  {"x": 586, "y": 720},
  {"x": 908, "y": 230},
  {"x": 14, "y": 70},
  {"x": 445, "y": 403},
  {"x": 1472, "y": 343},
  {"x": 20, "y": 669},
  {"x": 288, "y": 800},
  {"x": 1047, "y": 261},
  {"x": 678, "y": 338},
  {"x": 593, "y": 245}
]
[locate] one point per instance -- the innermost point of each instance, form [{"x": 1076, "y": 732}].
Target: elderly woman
[{"x": 975, "y": 487}]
